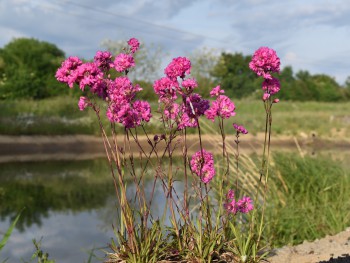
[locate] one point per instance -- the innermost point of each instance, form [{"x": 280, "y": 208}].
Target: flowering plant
[{"x": 141, "y": 237}]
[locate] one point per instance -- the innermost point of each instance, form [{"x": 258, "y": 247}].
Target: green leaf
[{"x": 9, "y": 231}]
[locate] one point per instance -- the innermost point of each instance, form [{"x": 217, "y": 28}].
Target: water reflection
[{"x": 72, "y": 205}]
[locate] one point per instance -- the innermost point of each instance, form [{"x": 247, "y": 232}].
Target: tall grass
[{"x": 309, "y": 199}]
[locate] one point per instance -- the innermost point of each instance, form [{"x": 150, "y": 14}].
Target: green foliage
[
  {"x": 8, "y": 233},
  {"x": 307, "y": 87},
  {"x": 234, "y": 76},
  {"x": 150, "y": 245},
  {"x": 147, "y": 92},
  {"x": 27, "y": 69},
  {"x": 39, "y": 254}
]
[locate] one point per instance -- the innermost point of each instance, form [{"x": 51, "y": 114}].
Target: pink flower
[
  {"x": 231, "y": 206},
  {"x": 123, "y": 62},
  {"x": 165, "y": 88},
  {"x": 266, "y": 96},
  {"x": 216, "y": 91},
  {"x": 271, "y": 86},
  {"x": 134, "y": 45},
  {"x": 171, "y": 111},
  {"x": 186, "y": 121},
  {"x": 122, "y": 89},
  {"x": 103, "y": 60},
  {"x": 100, "y": 88},
  {"x": 88, "y": 74},
  {"x": 202, "y": 164},
  {"x": 230, "y": 195},
  {"x": 222, "y": 107},
  {"x": 264, "y": 62},
  {"x": 240, "y": 129},
  {"x": 245, "y": 205},
  {"x": 130, "y": 115},
  {"x": 143, "y": 110},
  {"x": 66, "y": 73},
  {"x": 195, "y": 106},
  {"x": 178, "y": 67},
  {"x": 189, "y": 84},
  {"x": 83, "y": 103},
  {"x": 275, "y": 101}
]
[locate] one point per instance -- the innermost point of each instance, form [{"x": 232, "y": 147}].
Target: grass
[
  {"x": 308, "y": 199},
  {"x": 293, "y": 118},
  {"x": 61, "y": 116}
]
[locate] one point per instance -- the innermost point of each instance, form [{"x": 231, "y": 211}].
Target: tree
[
  {"x": 27, "y": 69},
  {"x": 235, "y": 77},
  {"x": 203, "y": 62},
  {"x": 148, "y": 60},
  {"x": 287, "y": 81}
]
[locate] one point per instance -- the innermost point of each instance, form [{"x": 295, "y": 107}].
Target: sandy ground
[
  {"x": 329, "y": 249},
  {"x": 78, "y": 147},
  {"x": 40, "y": 148}
]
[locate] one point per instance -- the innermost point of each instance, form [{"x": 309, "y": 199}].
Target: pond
[{"x": 69, "y": 205}]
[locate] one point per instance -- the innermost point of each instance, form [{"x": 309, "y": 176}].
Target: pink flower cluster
[
  {"x": 193, "y": 107},
  {"x": 221, "y": 107},
  {"x": 265, "y": 62},
  {"x": 124, "y": 62},
  {"x": 83, "y": 103},
  {"x": 271, "y": 86},
  {"x": 169, "y": 88},
  {"x": 215, "y": 92},
  {"x": 178, "y": 67},
  {"x": 240, "y": 129},
  {"x": 122, "y": 107},
  {"x": 244, "y": 205},
  {"x": 67, "y": 72},
  {"x": 103, "y": 60},
  {"x": 202, "y": 164},
  {"x": 119, "y": 93},
  {"x": 134, "y": 45},
  {"x": 129, "y": 114}
]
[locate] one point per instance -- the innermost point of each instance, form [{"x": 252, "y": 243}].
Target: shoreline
[{"x": 82, "y": 147}]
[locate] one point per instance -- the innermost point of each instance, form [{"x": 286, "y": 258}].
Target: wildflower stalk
[
  {"x": 225, "y": 155},
  {"x": 237, "y": 159},
  {"x": 184, "y": 154},
  {"x": 208, "y": 215},
  {"x": 266, "y": 159}
]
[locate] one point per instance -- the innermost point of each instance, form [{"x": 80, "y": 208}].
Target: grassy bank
[
  {"x": 61, "y": 116},
  {"x": 308, "y": 199}
]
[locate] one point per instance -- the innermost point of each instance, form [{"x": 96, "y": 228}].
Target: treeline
[{"x": 28, "y": 66}]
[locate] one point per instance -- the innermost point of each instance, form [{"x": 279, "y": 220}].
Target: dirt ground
[
  {"x": 334, "y": 249},
  {"x": 79, "y": 147}
]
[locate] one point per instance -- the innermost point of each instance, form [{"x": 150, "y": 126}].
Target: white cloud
[{"x": 311, "y": 29}]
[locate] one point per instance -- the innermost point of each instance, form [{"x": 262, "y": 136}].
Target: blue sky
[{"x": 311, "y": 35}]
